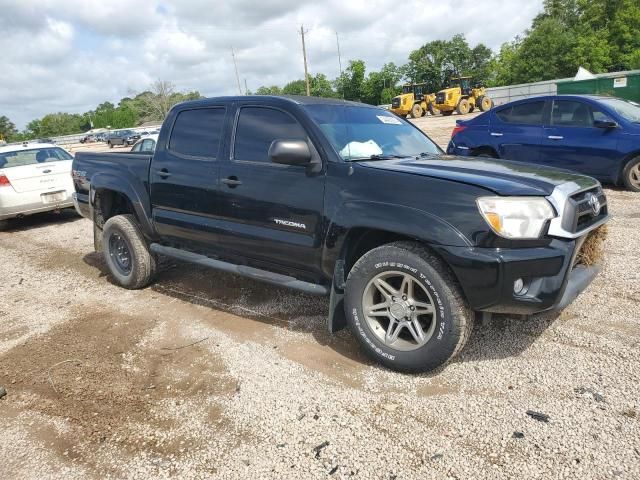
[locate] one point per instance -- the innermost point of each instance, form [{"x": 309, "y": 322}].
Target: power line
[
  {"x": 304, "y": 56},
  {"x": 340, "y": 63}
]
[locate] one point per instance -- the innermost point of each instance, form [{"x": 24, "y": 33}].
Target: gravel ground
[{"x": 208, "y": 375}]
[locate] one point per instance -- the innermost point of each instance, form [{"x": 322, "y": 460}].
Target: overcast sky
[{"x": 70, "y": 55}]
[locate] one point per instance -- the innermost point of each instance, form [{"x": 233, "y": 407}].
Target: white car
[
  {"x": 146, "y": 144},
  {"x": 34, "y": 177}
]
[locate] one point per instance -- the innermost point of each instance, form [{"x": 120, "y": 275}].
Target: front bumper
[{"x": 551, "y": 279}]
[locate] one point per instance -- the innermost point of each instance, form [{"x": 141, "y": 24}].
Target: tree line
[{"x": 600, "y": 35}]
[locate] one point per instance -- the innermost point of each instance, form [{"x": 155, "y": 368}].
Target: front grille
[
  {"x": 395, "y": 103},
  {"x": 440, "y": 97},
  {"x": 579, "y": 212}
]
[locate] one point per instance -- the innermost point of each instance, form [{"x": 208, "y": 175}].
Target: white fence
[{"x": 502, "y": 95}]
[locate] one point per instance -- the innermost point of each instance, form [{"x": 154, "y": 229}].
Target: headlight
[{"x": 516, "y": 217}]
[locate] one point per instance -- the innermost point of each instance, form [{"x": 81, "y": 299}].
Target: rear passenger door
[
  {"x": 516, "y": 130},
  {"x": 184, "y": 177},
  {"x": 572, "y": 141},
  {"x": 270, "y": 212}
]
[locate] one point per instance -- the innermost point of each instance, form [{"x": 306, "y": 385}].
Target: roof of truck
[{"x": 297, "y": 99}]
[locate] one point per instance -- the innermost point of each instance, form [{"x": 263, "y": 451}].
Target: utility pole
[
  {"x": 304, "y": 56},
  {"x": 233, "y": 54},
  {"x": 246, "y": 89},
  {"x": 340, "y": 63}
]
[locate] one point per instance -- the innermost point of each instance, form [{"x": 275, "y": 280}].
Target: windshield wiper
[
  {"x": 377, "y": 156},
  {"x": 426, "y": 154}
]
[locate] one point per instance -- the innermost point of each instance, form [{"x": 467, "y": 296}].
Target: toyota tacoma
[{"x": 350, "y": 201}]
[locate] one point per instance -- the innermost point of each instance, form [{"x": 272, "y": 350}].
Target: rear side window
[
  {"x": 258, "y": 127},
  {"x": 197, "y": 133},
  {"x": 529, "y": 113}
]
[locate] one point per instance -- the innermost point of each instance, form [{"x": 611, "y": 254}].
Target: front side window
[
  {"x": 359, "y": 133},
  {"x": 569, "y": 113},
  {"x": 529, "y": 113},
  {"x": 197, "y": 133},
  {"x": 137, "y": 147},
  {"x": 33, "y": 156},
  {"x": 258, "y": 127}
]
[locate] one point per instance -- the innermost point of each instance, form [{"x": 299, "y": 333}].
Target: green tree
[
  {"x": 380, "y": 87},
  {"x": 272, "y": 90},
  {"x": 7, "y": 128},
  {"x": 349, "y": 84},
  {"x": 436, "y": 62},
  {"x": 296, "y": 87}
]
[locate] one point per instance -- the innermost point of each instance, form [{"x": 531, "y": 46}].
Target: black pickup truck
[{"x": 346, "y": 200}]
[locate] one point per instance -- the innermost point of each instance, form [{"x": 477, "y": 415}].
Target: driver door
[{"x": 270, "y": 212}]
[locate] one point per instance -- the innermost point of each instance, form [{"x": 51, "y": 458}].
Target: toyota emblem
[{"x": 594, "y": 203}]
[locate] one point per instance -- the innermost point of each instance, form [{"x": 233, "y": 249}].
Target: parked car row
[{"x": 593, "y": 135}]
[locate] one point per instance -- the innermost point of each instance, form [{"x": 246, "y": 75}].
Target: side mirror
[
  {"x": 607, "y": 123},
  {"x": 290, "y": 152}
]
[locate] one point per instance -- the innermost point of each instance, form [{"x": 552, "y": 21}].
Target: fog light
[{"x": 518, "y": 287}]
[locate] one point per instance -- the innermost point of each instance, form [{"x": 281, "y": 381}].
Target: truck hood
[{"x": 500, "y": 176}]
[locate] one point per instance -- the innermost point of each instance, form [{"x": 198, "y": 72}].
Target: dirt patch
[{"x": 94, "y": 373}]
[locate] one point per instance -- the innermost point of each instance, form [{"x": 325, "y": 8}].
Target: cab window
[
  {"x": 197, "y": 133},
  {"x": 258, "y": 127}
]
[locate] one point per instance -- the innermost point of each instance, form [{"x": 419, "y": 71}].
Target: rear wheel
[
  {"x": 4, "y": 224},
  {"x": 405, "y": 308},
  {"x": 110, "y": 144},
  {"x": 485, "y": 103},
  {"x": 126, "y": 252},
  {"x": 631, "y": 175},
  {"x": 463, "y": 107},
  {"x": 446, "y": 113},
  {"x": 416, "y": 111}
]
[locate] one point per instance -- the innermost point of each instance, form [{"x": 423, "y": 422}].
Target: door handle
[
  {"x": 555, "y": 137},
  {"x": 163, "y": 173},
  {"x": 496, "y": 134},
  {"x": 232, "y": 182}
]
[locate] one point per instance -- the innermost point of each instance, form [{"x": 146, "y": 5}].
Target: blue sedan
[{"x": 594, "y": 135}]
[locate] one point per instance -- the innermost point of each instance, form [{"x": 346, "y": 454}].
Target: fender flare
[
  {"x": 411, "y": 222},
  {"x": 141, "y": 204}
]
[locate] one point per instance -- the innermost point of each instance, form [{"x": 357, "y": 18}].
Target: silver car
[{"x": 34, "y": 177}]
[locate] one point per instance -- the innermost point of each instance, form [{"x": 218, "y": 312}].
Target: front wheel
[
  {"x": 416, "y": 111},
  {"x": 126, "y": 253},
  {"x": 631, "y": 175},
  {"x": 405, "y": 308}
]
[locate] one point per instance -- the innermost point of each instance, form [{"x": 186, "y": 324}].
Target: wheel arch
[{"x": 619, "y": 180}]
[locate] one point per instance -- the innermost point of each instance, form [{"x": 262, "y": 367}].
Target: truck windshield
[{"x": 359, "y": 133}]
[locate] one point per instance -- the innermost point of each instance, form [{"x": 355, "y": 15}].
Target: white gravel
[{"x": 266, "y": 388}]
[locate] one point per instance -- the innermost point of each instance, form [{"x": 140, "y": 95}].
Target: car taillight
[
  {"x": 4, "y": 181},
  {"x": 457, "y": 129}
]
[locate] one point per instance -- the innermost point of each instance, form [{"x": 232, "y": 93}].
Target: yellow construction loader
[
  {"x": 462, "y": 97},
  {"x": 414, "y": 101}
]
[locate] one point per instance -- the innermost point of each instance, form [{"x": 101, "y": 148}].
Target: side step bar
[{"x": 245, "y": 271}]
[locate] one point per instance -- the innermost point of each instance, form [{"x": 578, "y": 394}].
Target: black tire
[
  {"x": 433, "y": 110},
  {"x": 138, "y": 271},
  {"x": 110, "y": 144},
  {"x": 485, "y": 103},
  {"x": 447, "y": 113},
  {"x": 4, "y": 224},
  {"x": 416, "y": 111},
  {"x": 453, "y": 318},
  {"x": 631, "y": 175},
  {"x": 463, "y": 107}
]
